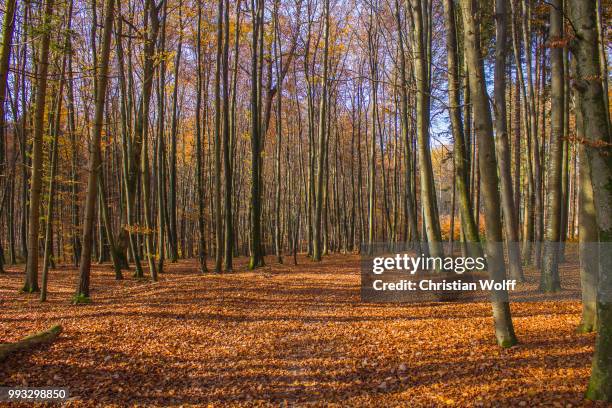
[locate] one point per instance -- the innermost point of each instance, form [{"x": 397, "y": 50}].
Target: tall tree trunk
[
  {"x": 74, "y": 185},
  {"x": 409, "y": 200},
  {"x": 160, "y": 171},
  {"x": 597, "y": 146},
  {"x": 53, "y": 165},
  {"x": 256, "y": 259},
  {"x": 31, "y": 279},
  {"x": 23, "y": 145},
  {"x": 172, "y": 204},
  {"x": 311, "y": 144},
  {"x": 428, "y": 194},
  {"x": 8, "y": 27},
  {"x": 373, "y": 63},
  {"x": 549, "y": 278},
  {"x": 127, "y": 239},
  {"x": 483, "y": 127},
  {"x": 233, "y": 143},
  {"x": 52, "y": 172},
  {"x": 152, "y": 10},
  {"x": 517, "y": 151},
  {"x": 533, "y": 167},
  {"x": 316, "y": 253},
  {"x": 502, "y": 142},
  {"x": 198, "y": 152},
  {"x": 228, "y": 249},
  {"x": 539, "y": 144},
  {"x": 218, "y": 142},
  {"x": 587, "y": 235},
  {"x": 565, "y": 167},
  {"x": 461, "y": 162},
  {"x": 277, "y": 164},
  {"x": 82, "y": 292}
]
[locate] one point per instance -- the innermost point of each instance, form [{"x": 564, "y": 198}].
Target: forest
[{"x": 189, "y": 187}]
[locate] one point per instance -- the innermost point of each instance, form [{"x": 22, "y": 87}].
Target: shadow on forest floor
[{"x": 294, "y": 334}]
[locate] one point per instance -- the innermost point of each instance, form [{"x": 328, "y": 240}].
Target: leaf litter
[{"x": 285, "y": 335}]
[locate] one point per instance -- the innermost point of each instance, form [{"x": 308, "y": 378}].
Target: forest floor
[{"x": 285, "y": 335}]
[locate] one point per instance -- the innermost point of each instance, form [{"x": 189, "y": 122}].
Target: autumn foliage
[{"x": 287, "y": 335}]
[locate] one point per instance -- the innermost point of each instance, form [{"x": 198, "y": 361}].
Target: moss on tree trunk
[{"x": 29, "y": 341}]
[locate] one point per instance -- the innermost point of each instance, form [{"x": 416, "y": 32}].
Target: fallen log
[{"x": 30, "y": 341}]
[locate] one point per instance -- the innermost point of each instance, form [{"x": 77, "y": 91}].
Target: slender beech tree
[
  {"x": 421, "y": 75},
  {"x": 277, "y": 164},
  {"x": 587, "y": 235},
  {"x": 373, "y": 36},
  {"x": 483, "y": 126},
  {"x": 74, "y": 185},
  {"x": 53, "y": 162},
  {"x": 502, "y": 142},
  {"x": 172, "y": 203},
  {"x": 533, "y": 200},
  {"x": 549, "y": 278},
  {"x": 228, "y": 245},
  {"x": 198, "y": 148},
  {"x": 461, "y": 162},
  {"x": 218, "y": 142},
  {"x": 127, "y": 239},
  {"x": 310, "y": 198},
  {"x": 23, "y": 145},
  {"x": 31, "y": 275},
  {"x": 405, "y": 125},
  {"x": 8, "y": 27},
  {"x": 82, "y": 292},
  {"x": 257, "y": 10},
  {"x": 152, "y": 12},
  {"x": 233, "y": 142},
  {"x": 322, "y": 139},
  {"x": 159, "y": 162}
]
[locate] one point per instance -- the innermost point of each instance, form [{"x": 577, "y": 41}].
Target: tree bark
[
  {"x": 127, "y": 239},
  {"x": 8, "y": 27},
  {"x": 587, "y": 237},
  {"x": 461, "y": 162},
  {"x": 82, "y": 292},
  {"x": 218, "y": 142},
  {"x": 228, "y": 249},
  {"x": 172, "y": 203},
  {"x": 198, "y": 152},
  {"x": 597, "y": 146},
  {"x": 143, "y": 129},
  {"x": 502, "y": 142},
  {"x": 428, "y": 194},
  {"x": 256, "y": 259},
  {"x": 409, "y": 200},
  {"x": 322, "y": 139},
  {"x": 549, "y": 278},
  {"x": 373, "y": 62},
  {"x": 31, "y": 281},
  {"x": 483, "y": 127},
  {"x": 277, "y": 163},
  {"x": 53, "y": 169}
]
